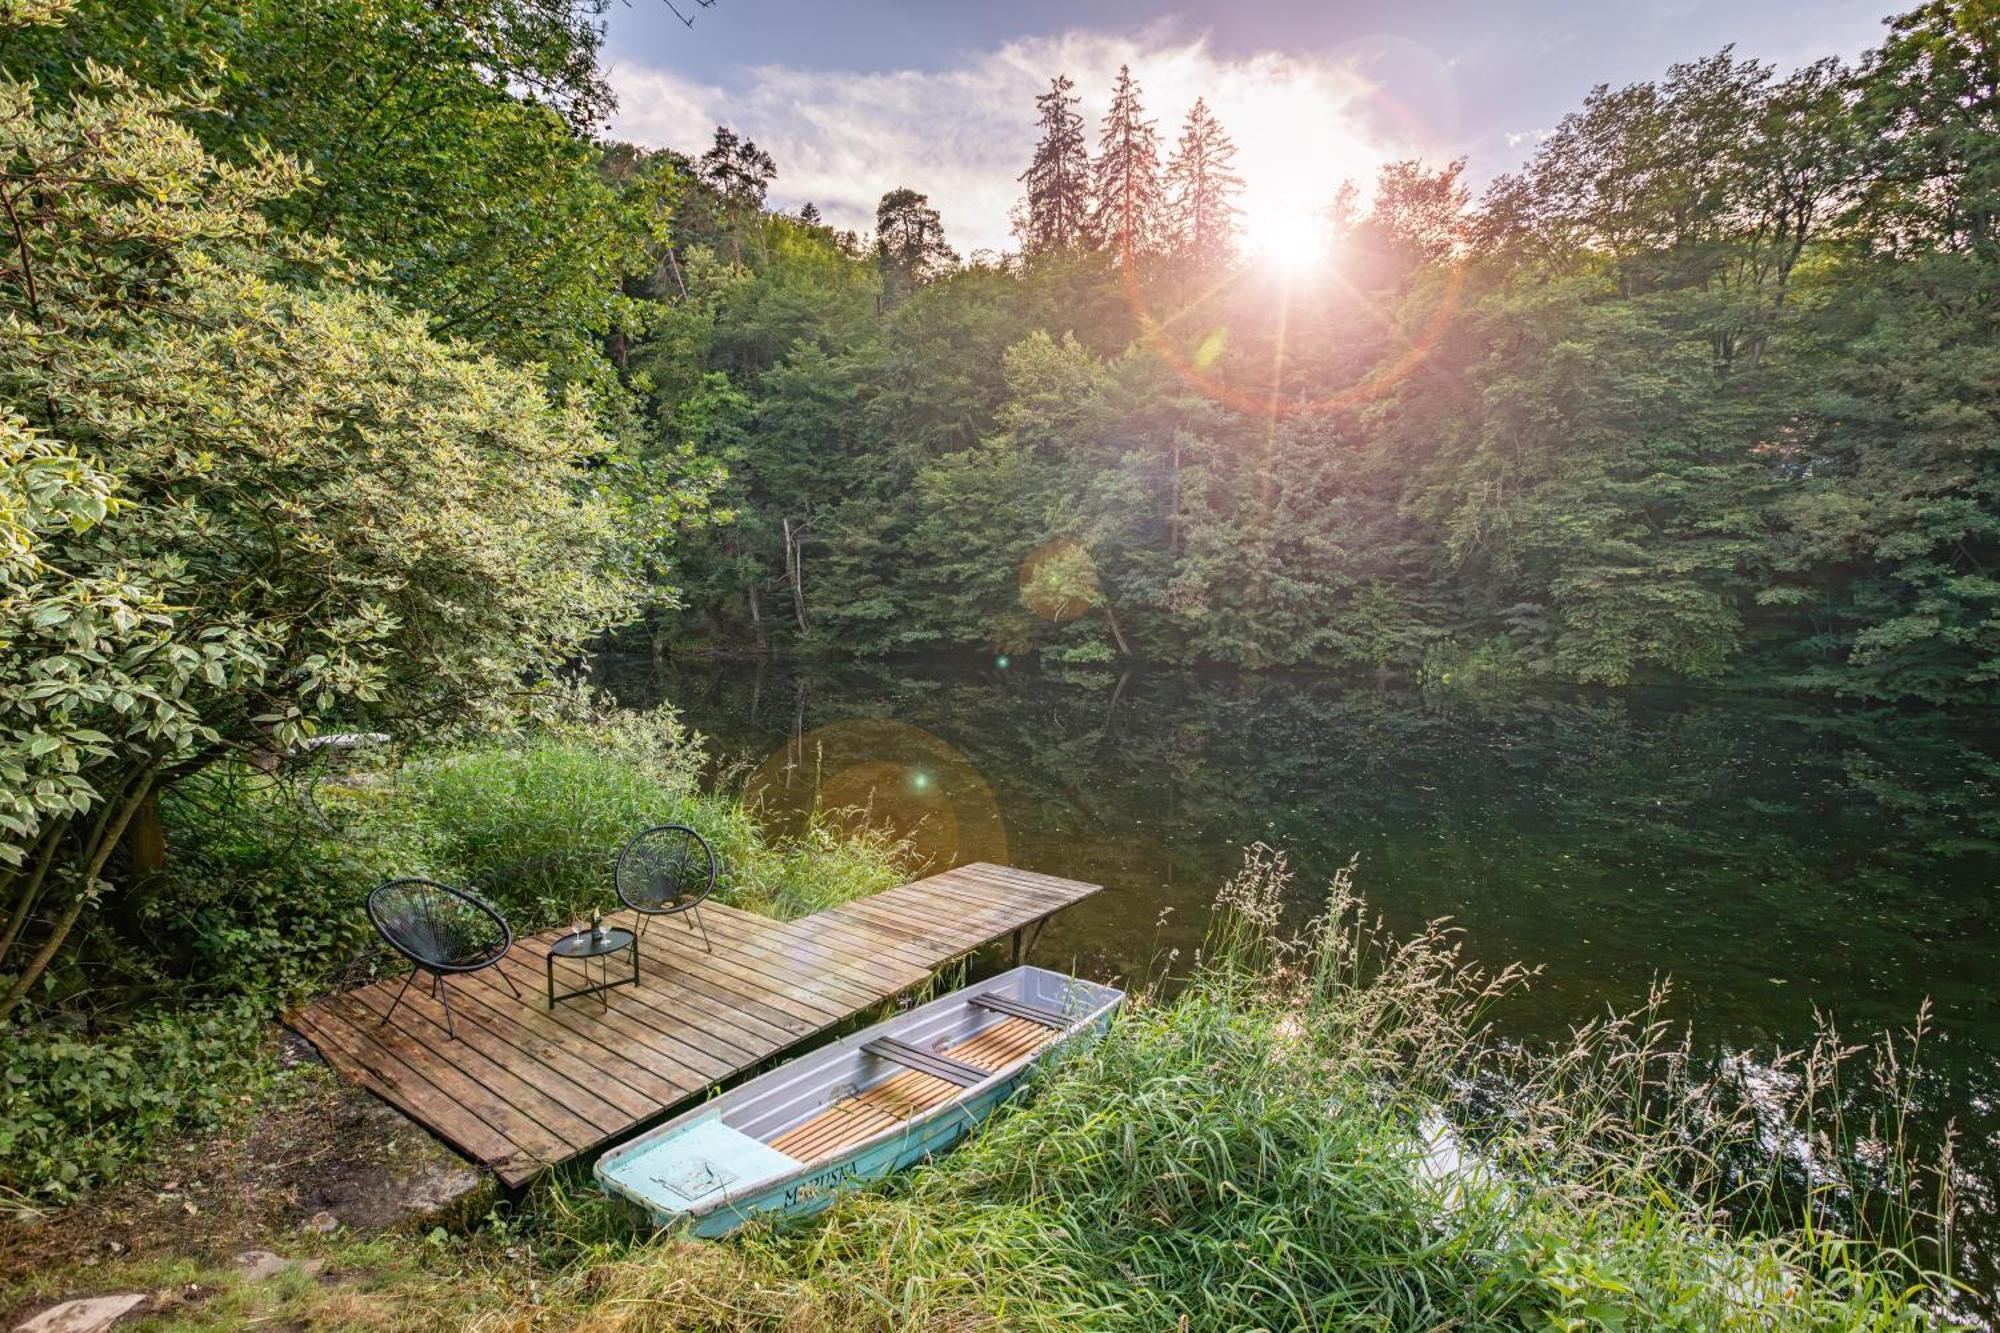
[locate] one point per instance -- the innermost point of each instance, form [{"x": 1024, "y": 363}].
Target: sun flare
[{"x": 1291, "y": 238}]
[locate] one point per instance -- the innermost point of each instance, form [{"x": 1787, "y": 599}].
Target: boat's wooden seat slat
[
  {"x": 1004, "y": 1043},
  {"x": 1034, "y": 1013},
  {"x": 852, "y": 1119},
  {"x": 907, "y": 1095}
]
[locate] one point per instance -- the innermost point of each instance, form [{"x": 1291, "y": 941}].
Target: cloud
[{"x": 962, "y": 134}]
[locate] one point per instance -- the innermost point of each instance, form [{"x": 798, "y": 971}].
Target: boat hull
[
  {"x": 816, "y": 1189},
  {"x": 714, "y": 1169}
]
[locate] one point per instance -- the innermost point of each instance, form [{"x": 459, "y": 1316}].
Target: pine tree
[
  {"x": 909, "y": 242},
  {"x": 1203, "y": 188},
  {"x": 809, "y": 214},
  {"x": 1056, "y": 213},
  {"x": 737, "y": 169},
  {"x": 1127, "y": 175}
]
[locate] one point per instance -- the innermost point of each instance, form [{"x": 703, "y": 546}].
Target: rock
[
  {"x": 294, "y": 1050},
  {"x": 406, "y": 1179},
  {"x": 260, "y": 1264},
  {"x": 92, "y": 1314},
  {"x": 323, "y": 1222}
]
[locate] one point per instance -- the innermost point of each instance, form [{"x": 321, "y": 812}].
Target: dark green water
[{"x": 1771, "y": 857}]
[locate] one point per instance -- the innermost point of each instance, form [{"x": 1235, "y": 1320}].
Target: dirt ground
[{"x": 313, "y": 1155}]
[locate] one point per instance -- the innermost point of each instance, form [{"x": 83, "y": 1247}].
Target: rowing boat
[{"x": 787, "y": 1142}]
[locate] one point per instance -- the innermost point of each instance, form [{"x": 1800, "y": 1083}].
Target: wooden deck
[{"x": 523, "y": 1089}]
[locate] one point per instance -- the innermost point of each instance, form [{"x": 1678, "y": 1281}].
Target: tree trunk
[
  {"x": 146, "y": 838},
  {"x": 106, "y": 836},
  {"x": 1117, "y": 634},
  {"x": 795, "y": 573},
  {"x": 757, "y": 620}
]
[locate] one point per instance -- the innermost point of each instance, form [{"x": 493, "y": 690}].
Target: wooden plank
[
  {"x": 355, "y": 1058},
  {"x": 776, "y": 985},
  {"x": 359, "y": 1059},
  {"x": 447, "y": 1092},
  {"x": 805, "y": 946},
  {"x": 626, "y": 1018},
  {"x": 885, "y": 976},
  {"x": 852, "y": 1119},
  {"x": 571, "y": 1111},
  {"x": 890, "y": 929},
  {"x": 893, "y": 948},
  {"x": 698, "y": 1026},
  {"x": 887, "y": 918},
  {"x": 602, "y": 1071},
  {"x": 716, "y": 994},
  {"x": 835, "y": 946},
  {"x": 410, "y": 1035},
  {"x": 772, "y": 946},
  {"x": 995, "y": 902},
  {"x": 939, "y": 901},
  {"x": 1003, "y": 1043},
  {"x": 1067, "y": 890}
]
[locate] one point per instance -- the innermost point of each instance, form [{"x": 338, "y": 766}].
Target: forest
[
  {"x": 1703, "y": 391},
  {"x": 361, "y": 397}
]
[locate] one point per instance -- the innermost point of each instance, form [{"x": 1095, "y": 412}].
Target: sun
[{"x": 1288, "y": 237}]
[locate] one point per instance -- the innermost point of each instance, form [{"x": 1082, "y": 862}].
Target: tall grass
[
  {"x": 1322, "y": 1132},
  {"x": 536, "y": 822}
]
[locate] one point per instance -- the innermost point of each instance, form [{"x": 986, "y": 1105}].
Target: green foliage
[
  {"x": 263, "y": 892},
  {"x": 446, "y": 142},
  {"x": 1702, "y": 392},
  {"x": 77, "y": 1109},
  {"x": 297, "y": 502},
  {"x": 536, "y": 823}
]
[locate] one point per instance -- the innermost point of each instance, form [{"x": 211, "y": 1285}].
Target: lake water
[{"x": 1772, "y": 857}]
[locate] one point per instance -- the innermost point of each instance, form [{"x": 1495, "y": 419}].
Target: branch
[{"x": 687, "y": 20}]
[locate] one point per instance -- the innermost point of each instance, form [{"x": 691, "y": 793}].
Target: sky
[{"x": 860, "y": 97}]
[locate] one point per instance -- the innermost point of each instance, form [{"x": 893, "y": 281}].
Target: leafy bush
[
  {"x": 264, "y": 891},
  {"x": 76, "y": 1109}
]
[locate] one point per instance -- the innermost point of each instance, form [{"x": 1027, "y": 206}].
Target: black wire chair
[
  {"x": 666, "y": 871},
  {"x": 442, "y": 931}
]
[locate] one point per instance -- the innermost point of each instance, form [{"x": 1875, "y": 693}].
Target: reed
[{"x": 536, "y": 821}]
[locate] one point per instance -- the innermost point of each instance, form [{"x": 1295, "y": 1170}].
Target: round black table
[{"x": 584, "y": 945}]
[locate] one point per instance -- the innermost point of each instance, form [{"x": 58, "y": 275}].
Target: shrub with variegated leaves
[{"x": 242, "y": 494}]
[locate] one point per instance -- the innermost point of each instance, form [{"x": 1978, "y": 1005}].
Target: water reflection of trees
[
  {"x": 1772, "y": 858},
  {"x": 1719, "y": 838}
]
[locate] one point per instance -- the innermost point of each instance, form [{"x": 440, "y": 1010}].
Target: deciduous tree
[{"x": 257, "y": 495}]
